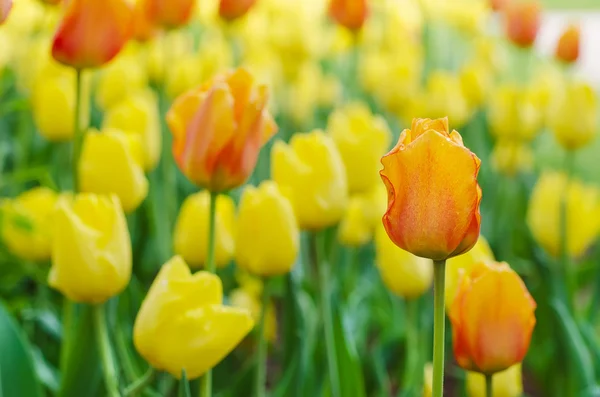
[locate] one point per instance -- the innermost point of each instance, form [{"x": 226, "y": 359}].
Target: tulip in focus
[
  {"x": 27, "y": 223},
  {"x": 433, "y": 209},
  {"x": 111, "y": 162},
  {"x": 522, "y": 21},
  {"x": 91, "y": 248},
  {"x": 182, "y": 323},
  {"x": 310, "y": 172},
  {"x": 567, "y": 48},
  {"x": 349, "y": 13},
  {"x": 190, "y": 239},
  {"x": 219, "y": 128},
  {"x": 92, "y": 32},
  {"x": 268, "y": 238},
  {"x": 362, "y": 217},
  {"x": 492, "y": 319},
  {"x": 245, "y": 299},
  {"x": 5, "y": 7},
  {"x": 169, "y": 14},
  {"x": 511, "y": 157},
  {"x": 233, "y": 9},
  {"x": 507, "y": 383}
]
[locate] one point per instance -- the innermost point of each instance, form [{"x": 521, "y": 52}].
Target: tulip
[
  {"x": 443, "y": 97},
  {"x": 492, "y": 319},
  {"x": 110, "y": 89},
  {"x": 53, "y": 107},
  {"x": 246, "y": 299},
  {"x": 507, "y": 383},
  {"x": 403, "y": 273},
  {"x": 233, "y": 9},
  {"x": 304, "y": 91},
  {"x": 267, "y": 240},
  {"x": 218, "y": 130},
  {"x": 27, "y": 223},
  {"x": 567, "y": 48},
  {"x": 475, "y": 81},
  {"x": 349, "y": 13},
  {"x": 361, "y": 139},
  {"x": 574, "y": 115},
  {"x": 169, "y": 14},
  {"x": 122, "y": 174},
  {"x": 433, "y": 209},
  {"x": 311, "y": 173},
  {"x": 190, "y": 239},
  {"x": 514, "y": 113},
  {"x": 362, "y": 216},
  {"x": 498, "y": 5},
  {"x": 582, "y": 213},
  {"x": 92, "y": 32},
  {"x": 138, "y": 115},
  {"x": 143, "y": 28},
  {"x": 182, "y": 323},
  {"x": 91, "y": 248},
  {"x": 5, "y": 7},
  {"x": 522, "y": 21},
  {"x": 511, "y": 157}
]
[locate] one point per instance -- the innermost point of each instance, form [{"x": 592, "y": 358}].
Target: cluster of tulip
[{"x": 115, "y": 112}]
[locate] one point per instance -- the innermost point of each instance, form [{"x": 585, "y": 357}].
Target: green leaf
[
  {"x": 351, "y": 374},
  {"x": 47, "y": 374},
  {"x": 16, "y": 363},
  {"x": 184, "y": 385}
]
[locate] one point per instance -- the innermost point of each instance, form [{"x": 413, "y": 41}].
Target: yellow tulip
[
  {"x": 573, "y": 116},
  {"x": 443, "y": 97},
  {"x": 182, "y": 323},
  {"x": 361, "y": 139},
  {"x": 514, "y": 113},
  {"x": 163, "y": 51},
  {"x": 91, "y": 248},
  {"x": 244, "y": 299},
  {"x": 507, "y": 383},
  {"x": 53, "y": 106},
  {"x": 191, "y": 230},
  {"x": 311, "y": 173},
  {"x": 120, "y": 78},
  {"x": 27, "y": 223},
  {"x": 183, "y": 74},
  {"x": 362, "y": 216},
  {"x": 403, "y": 273},
  {"x": 476, "y": 81},
  {"x": 468, "y": 16},
  {"x": 303, "y": 93},
  {"x": 267, "y": 240},
  {"x": 111, "y": 162},
  {"x": 511, "y": 157},
  {"x": 583, "y": 213},
  {"x": 138, "y": 115}
]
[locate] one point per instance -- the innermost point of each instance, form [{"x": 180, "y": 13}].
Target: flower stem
[
  {"x": 413, "y": 369},
  {"x": 78, "y": 132},
  {"x": 489, "y": 390},
  {"x": 566, "y": 270},
  {"x": 439, "y": 325},
  {"x": 140, "y": 384},
  {"x": 103, "y": 341},
  {"x": 262, "y": 353}
]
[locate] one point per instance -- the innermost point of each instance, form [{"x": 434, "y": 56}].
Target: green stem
[
  {"x": 78, "y": 132},
  {"x": 327, "y": 314},
  {"x": 439, "y": 325},
  {"x": 103, "y": 341},
  {"x": 262, "y": 353},
  {"x": 125, "y": 358},
  {"x": 140, "y": 384},
  {"x": 489, "y": 383},
  {"x": 565, "y": 260},
  {"x": 413, "y": 370}
]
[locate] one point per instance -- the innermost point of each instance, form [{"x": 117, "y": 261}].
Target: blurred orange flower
[
  {"x": 522, "y": 21},
  {"x": 433, "y": 194},
  {"x": 233, "y": 9},
  {"x": 92, "y": 32},
  {"x": 349, "y": 13},
  {"x": 492, "y": 319},
  {"x": 5, "y": 7},
  {"x": 219, "y": 128},
  {"x": 143, "y": 28},
  {"x": 498, "y": 5},
  {"x": 169, "y": 13},
  {"x": 567, "y": 48}
]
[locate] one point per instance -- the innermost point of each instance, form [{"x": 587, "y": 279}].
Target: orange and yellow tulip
[
  {"x": 219, "y": 128},
  {"x": 92, "y": 32},
  {"x": 349, "y": 13},
  {"x": 169, "y": 13},
  {"x": 492, "y": 319},
  {"x": 567, "y": 48},
  {"x": 433, "y": 209},
  {"x": 522, "y": 21},
  {"x": 233, "y": 9}
]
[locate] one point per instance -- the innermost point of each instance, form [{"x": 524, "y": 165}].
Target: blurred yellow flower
[
  {"x": 304, "y": 93},
  {"x": 182, "y": 323},
  {"x": 443, "y": 97},
  {"x": 583, "y": 213},
  {"x": 91, "y": 248},
  {"x": 361, "y": 139},
  {"x": 137, "y": 114},
  {"x": 311, "y": 173},
  {"x": 111, "y": 162},
  {"x": 476, "y": 81},
  {"x": 362, "y": 216},
  {"x": 161, "y": 53},
  {"x": 573, "y": 116},
  {"x": 428, "y": 380},
  {"x": 27, "y": 223},
  {"x": 507, "y": 383},
  {"x": 53, "y": 107},
  {"x": 403, "y": 273},
  {"x": 511, "y": 157},
  {"x": 514, "y": 113},
  {"x": 191, "y": 230},
  {"x": 120, "y": 78},
  {"x": 469, "y": 16},
  {"x": 245, "y": 299},
  {"x": 267, "y": 240}
]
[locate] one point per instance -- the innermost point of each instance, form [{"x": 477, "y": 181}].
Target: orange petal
[{"x": 169, "y": 13}]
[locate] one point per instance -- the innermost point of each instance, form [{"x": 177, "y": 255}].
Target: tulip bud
[
  {"x": 190, "y": 238},
  {"x": 567, "y": 48},
  {"x": 492, "y": 319},
  {"x": 583, "y": 213},
  {"x": 311, "y": 173},
  {"x": 233, "y": 9},
  {"x": 349, "y": 13},
  {"x": 5, "y": 7},
  {"x": 267, "y": 240},
  {"x": 511, "y": 157},
  {"x": 506, "y": 383},
  {"x": 110, "y": 89},
  {"x": 522, "y": 21},
  {"x": 27, "y": 223},
  {"x": 122, "y": 174},
  {"x": 362, "y": 216},
  {"x": 219, "y": 128},
  {"x": 182, "y": 323},
  {"x": 138, "y": 115},
  {"x": 169, "y": 14},
  {"x": 433, "y": 209},
  {"x": 53, "y": 107},
  {"x": 91, "y": 248},
  {"x": 361, "y": 139},
  {"x": 245, "y": 299},
  {"x": 92, "y": 32}
]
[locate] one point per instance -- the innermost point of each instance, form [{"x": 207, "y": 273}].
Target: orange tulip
[
  {"x": 492, "y": 319},
  {"x": 169, "y": 13},
  {"x": 349, "y": 13},
  {"x": 522, "y": 21},
  {"x": 433, "y": 195},
  {"x": 498, "y": 5},
  {"x": 567, "y": 48},
  {"x": 92, "y": 32},
  {"x": 233, "y": 9},
  {"x": 219, "y": 128},
  {"x": 143, "y": 28},
  {"x": 5, "y": 6}
]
